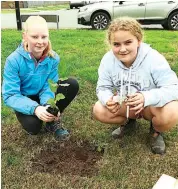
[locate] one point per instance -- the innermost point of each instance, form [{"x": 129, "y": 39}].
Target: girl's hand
[
  {"x": 112, "y": 106},
  {"x": 58, "y": 117},
  {"x": 43, "y": 115},
  {"x": 136, "y": 101}
]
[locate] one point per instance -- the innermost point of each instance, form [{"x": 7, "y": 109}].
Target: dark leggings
[{"x": 31, "y": 123}]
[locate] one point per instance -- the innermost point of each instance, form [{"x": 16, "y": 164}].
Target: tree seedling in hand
[
  {"x": 118, "y": 99},
  {"x": 53, "y": 109}
]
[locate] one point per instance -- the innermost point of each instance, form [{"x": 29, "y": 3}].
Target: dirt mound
[{"x": 68, "y": 158}]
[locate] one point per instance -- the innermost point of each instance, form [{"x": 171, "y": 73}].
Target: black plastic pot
[{"x": 53, "y": 111}]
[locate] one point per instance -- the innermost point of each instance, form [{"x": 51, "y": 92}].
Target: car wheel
[
  {"x": 100, "y": 21},
  {"x": 173, "y": 21}
]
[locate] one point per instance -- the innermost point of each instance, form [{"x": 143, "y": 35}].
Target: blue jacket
[{"x": 22, "y": 78}]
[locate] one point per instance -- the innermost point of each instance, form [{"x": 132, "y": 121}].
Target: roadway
[{"x": 67, "y": 20}]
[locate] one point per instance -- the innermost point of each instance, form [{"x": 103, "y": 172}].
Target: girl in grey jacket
[{"x": 135, "y": 81}]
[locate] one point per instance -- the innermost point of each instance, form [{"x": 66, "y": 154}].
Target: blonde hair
[
  {"x": 125, "y": 24},
  {"x": 37, "y": 20}
]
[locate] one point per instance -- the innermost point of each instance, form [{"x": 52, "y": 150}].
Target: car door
[
  {"x": 135, "y": 9},
  {"x": 159, "y": 9}
]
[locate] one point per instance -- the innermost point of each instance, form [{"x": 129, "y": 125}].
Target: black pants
[{"x": 31, "y": 123}]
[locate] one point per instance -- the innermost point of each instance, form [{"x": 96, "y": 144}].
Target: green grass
[
  {"x": 130, "y": 167},
  {"x": 37, "y": 9}
]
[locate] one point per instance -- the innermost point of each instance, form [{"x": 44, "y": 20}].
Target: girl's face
[
  {"x": 125, "y": 46},
  {"x": 37, "y": 38}
]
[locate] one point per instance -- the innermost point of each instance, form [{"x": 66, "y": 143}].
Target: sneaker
[
  {"x": 60, "y": 133},
  {"x": 124, "y": 129},
  {"x": 157, "y": 142}
]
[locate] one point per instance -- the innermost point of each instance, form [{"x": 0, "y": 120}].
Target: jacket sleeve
[
  {"x": 166, "y": 83},
  {"x": 11, "y": 90},
  {"x": 104, "y": 85},
  {"x": 46, "y": 93}
]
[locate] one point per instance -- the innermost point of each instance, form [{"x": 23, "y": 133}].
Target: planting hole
[{"x": 68, "y": 158}]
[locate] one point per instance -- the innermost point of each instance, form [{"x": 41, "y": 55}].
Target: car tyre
[
  {"x": 173, "y": 21},
  {"x": 100, "y": 21}
]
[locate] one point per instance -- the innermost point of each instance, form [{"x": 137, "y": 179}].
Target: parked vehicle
[
  {"x": 78, "y": 4},
  {"x": 99, "y": 15}
]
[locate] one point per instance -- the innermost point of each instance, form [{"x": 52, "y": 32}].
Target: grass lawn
[
  {"x": 38, "y": 9},
  {"x": 124, "y": 165}
]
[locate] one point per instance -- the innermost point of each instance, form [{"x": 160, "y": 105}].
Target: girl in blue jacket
[
  {"x": 144, "y": 83},
  {"x": 25, "y": 80}
]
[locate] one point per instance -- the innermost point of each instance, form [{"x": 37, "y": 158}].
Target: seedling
[
  {"x": 99, "y": 146},
  {"x": 119, "y": 99},
  {"x": 53, "y": 109}
]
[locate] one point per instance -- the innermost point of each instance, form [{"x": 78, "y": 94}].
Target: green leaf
[
  {"x": 50, "y": 81},
  {"x": 51, "y": 102},
  {"x": 99, "y": 149},
  {"x": 63, "y": 79},
  {"x": 53, "y": 86},
  {"x": 64, "y": 85},
  {"x": 59, "y": 96}
]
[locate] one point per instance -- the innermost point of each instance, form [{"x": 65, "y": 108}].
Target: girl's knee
[
  {"x": 98, "y": 111},
  {"x": 165, "y": 120},
  {"x": 170, "y": 119},
  {"x": 73, "y": 84},
  {"x": 69, "y": 91}
]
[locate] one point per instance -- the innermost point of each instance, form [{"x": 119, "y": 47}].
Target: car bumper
[
  {"x": 84, "y": 18},
  {"x": 83, "y": 21}
]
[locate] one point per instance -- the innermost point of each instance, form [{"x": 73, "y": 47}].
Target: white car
[
  {"x": 99, "y": 15},
  {"x": 78, "y": 4}
]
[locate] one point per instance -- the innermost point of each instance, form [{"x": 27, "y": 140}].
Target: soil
[{"x": 68, "y": 158}]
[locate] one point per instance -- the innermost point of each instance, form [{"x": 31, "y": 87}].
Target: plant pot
[{"x": 53, "y": 111}]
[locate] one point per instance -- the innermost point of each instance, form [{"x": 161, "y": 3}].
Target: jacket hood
[
  {"x": 23, "y": 52},
  {"x": 143, "y": 51},
  {"x": 29, "y": 56}
]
